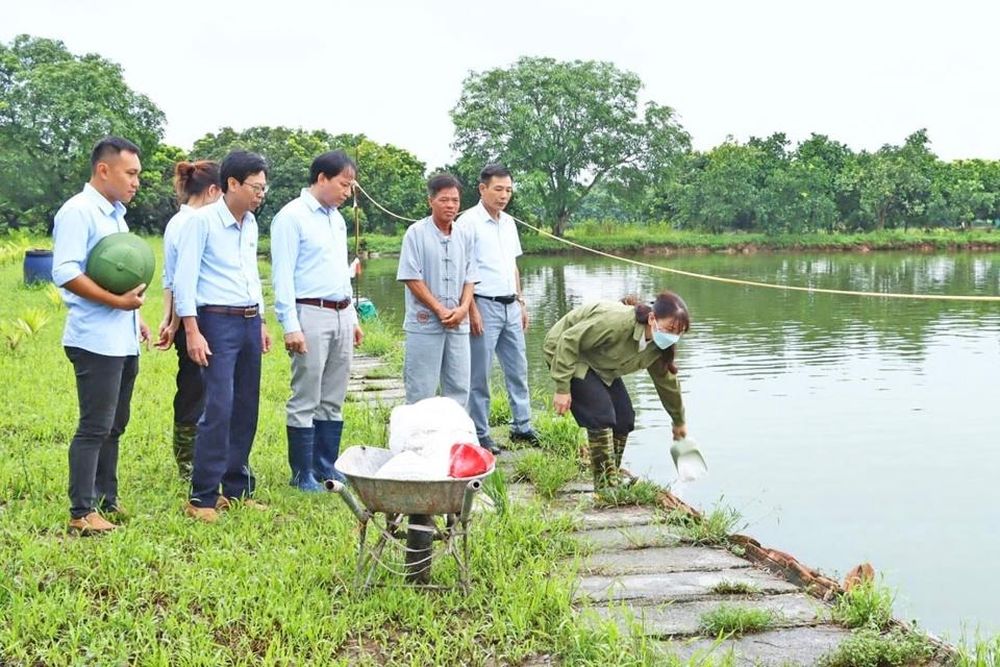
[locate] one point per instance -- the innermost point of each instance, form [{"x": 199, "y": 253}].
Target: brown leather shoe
[
  {"x": 222, "y": 504},
  {"x": 206, "y": 514},
  {"x": 92, "y": 524}
]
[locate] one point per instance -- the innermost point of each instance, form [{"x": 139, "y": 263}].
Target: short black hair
[
  {"x": 330, "y": 164},
  {"x": 494, "y": 170},
  {"x": 439, "y": 182},
  {"x": 111, "y": 146},
  {"x": 239, "y": 165}
]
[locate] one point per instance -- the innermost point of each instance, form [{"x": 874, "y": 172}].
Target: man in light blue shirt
[
  {"x": 218, "y": 297},
  {"x": 498, "y": 316},
  {"x": 102, "y": 332},
  {"x": 312, "y": 300},
  {"x": 437, "y": 265}
]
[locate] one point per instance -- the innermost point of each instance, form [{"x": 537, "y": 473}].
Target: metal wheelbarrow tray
[{"x": 419, "y": 502}]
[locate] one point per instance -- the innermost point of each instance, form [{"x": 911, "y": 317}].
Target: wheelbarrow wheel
[{"x": 419, "y": 545}]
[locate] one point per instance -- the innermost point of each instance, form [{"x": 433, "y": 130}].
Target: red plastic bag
[{"x": 468, "y": 460}]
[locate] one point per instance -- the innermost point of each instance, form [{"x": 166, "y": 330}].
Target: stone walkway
[{"x": 646, "y": 575}]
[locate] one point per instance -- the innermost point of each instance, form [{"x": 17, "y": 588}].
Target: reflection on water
[{"x": 844, "y": 429}]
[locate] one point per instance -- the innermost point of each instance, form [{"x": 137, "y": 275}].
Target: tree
[
  {"x": 392, "y": 175},
  {"x": 54, "y": 106},
  {"x": 563, "y": 128},
  {"x": 156, "y": 201}
]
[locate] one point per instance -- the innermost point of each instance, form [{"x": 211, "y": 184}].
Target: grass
[
  {"x": 712, "y": 528},
  {"x": 548, "y": 473},
  {"x": 736, "y": 621},
  {"x": 726, "y": 587},
  {"x": 981, "y": 653},
  {"x": 270, "y": 587},
  {"x": 631, "y": 238},
  {"x": 641, "y": 493},
  {"x": 868, "y": 647},
  {"x": 867, "y": 604}
]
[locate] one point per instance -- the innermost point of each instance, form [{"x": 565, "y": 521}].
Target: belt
[
  {"x": 323, "y": 303},
  {"x": 241, "y": 311},
  {"x": 505, "y": 300}
]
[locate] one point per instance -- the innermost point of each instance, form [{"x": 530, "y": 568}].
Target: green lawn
[{"x": 257, "y": 587}]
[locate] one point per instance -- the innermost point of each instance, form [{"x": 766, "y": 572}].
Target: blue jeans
[
  {"x": 232, "y": 396},
  {"x": 503, "y": 337}
]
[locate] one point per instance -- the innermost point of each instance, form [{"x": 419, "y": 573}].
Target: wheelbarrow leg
[{"x": 419, "y": 548}]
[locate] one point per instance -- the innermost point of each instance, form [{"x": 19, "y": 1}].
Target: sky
[{"x": 865, "y": 73}]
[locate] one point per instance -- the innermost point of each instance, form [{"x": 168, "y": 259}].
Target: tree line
[{"x": 575, "y": 134}]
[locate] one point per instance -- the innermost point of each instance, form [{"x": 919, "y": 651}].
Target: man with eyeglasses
[
  {"x": 437, "y": 266},
  {"x": 219, "y": 300},
  {"x": 312, "y": 300}
]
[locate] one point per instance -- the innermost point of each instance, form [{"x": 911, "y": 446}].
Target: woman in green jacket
[{"x": 592, "y": 347}]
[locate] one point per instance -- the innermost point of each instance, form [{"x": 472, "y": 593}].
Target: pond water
[{"x": 844, "y": 429}]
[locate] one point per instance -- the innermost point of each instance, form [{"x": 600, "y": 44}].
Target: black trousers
[
  {"x": 189, "y": 400},
  {"x": 104, "y": 390},
  {"x": 596, "y": 405}
]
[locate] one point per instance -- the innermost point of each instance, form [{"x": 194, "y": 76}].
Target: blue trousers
[
  {"x": 436, "y": 360},
  {"x": 232, "y": 396},
  {"x": 502, "y": 337}
]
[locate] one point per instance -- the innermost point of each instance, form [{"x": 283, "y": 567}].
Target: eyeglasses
[{"x": 257, "y": 189}]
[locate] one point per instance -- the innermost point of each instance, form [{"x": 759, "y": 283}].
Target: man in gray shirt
[{"x": 437, "y": 264}]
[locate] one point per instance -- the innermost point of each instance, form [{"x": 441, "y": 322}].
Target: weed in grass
[
  {"x": 732, "y": 620},
  {"x": 712, "y": 528},
  {"x": 546, "y": 472},
  {"x": 868, "y": 647},
  {"x": 641, "y": 493},
  {"x": 981, "y": 653},
  {"x": 867, "y": 604},
  {"x": 726, "y": 587},
  {"x": 559, "y": 434},
  {"x": 495, "y": 488},
  {"x": 500, "y": 412}
]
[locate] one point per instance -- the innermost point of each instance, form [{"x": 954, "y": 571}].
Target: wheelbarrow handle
[
  {"x": 471, "y": 489},
  {"x": 352, "y": 503}
]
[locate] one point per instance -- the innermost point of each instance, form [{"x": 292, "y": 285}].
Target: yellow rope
[{"x": 719, "y": 279}]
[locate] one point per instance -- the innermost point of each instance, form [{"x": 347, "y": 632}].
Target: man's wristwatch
[{"x": 520, "y": 299}]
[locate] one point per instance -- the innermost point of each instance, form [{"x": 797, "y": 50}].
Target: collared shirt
[
  {"x": 308, "y": 257},
  {"x": 497, "y": 248},
  {"x": 603, "y": 337},
  {"x": 445, "y": 263},
  {"x": 171, "y": 239},
  {"x": 81, "y": 222},
  {"x": 217, "y": 261}
]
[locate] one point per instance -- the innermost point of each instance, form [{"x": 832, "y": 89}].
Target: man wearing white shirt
[
  {"x": 497, "y": 315},
  {"x": 312, "y": 293}
]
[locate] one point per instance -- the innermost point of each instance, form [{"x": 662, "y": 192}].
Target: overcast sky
[{"x": 866, "y": 73}]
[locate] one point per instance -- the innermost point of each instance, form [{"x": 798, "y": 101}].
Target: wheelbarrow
[{"x": 434, "y": 511}]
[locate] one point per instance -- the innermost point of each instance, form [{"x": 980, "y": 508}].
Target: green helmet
[{"x": 121, "y": 262}]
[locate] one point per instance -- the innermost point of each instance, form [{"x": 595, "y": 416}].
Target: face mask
[{"x": 663, "y": 339}]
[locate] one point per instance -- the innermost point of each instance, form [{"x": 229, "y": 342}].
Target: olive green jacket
[{"x": 604, "y": 336}]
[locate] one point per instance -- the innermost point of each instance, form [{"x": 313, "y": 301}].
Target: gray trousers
[
  {"x": 320, "y": 376},
  {"x": 504, "y": 338},
  {"x": 436, "y": 359},
  {"x": 104, "y": 391}
]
